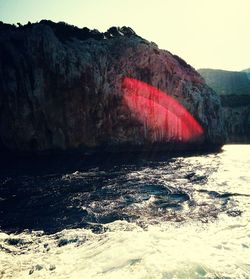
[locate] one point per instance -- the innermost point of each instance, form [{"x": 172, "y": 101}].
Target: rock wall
[
  {"x": 61, "y": 88},
  {"x": 236, "y": 114},
  {"x": 234, "y": 91}
]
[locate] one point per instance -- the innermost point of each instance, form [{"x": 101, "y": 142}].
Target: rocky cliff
[
  {"x": 247, "y": 71},
  {"x": 234, "y": 91},
  {"x": 236, "y": 114},
  {"x": 62, "y": 88}
]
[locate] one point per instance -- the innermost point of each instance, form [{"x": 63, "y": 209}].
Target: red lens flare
[{"x": 159, "y": 112}]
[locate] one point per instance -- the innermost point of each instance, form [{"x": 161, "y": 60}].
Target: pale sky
[{"x": 205, "y": 33}]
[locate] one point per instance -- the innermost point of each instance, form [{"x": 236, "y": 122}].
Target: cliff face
[
  {"x": 62, "y": 88},
  {"x": 247, "y": 71},
  {"x": 234, "y": 91},
  {"x": 236, "y": 114}
]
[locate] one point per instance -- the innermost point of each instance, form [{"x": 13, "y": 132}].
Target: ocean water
[{"x": 164, "y": 217}]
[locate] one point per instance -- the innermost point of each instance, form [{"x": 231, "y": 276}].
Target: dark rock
[
  {"x": 6, "y": 26},
  {"x": 127, "y": 31},
  {"x": 115, "y": 31},
  {"x": 61, "y": 89}
]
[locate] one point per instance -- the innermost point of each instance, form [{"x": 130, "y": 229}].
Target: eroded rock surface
[{"x": 61, "y": 88}]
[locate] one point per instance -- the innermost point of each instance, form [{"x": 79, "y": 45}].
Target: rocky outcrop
[
  {"x": 247, "y": 71},
  {"x": 234, "y": 91},
  {"x": 236, "y": 114},
  {"x": 61, "y": 89}
]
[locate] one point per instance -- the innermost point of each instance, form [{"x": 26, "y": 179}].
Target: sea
[{"x": 127, "y": 216}]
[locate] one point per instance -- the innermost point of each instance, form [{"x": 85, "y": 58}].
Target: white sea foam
[{"x": 216, "y": 250}]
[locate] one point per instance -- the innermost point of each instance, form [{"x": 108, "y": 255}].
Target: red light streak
[{"x": 159, "y": 112}]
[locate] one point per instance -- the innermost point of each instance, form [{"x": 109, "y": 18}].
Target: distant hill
[{"x": 227, "y": 82}]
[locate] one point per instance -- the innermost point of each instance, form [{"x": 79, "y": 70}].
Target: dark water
[
  {"x": 158, "y": 189},
  {"x": 161, "y": 197}
]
